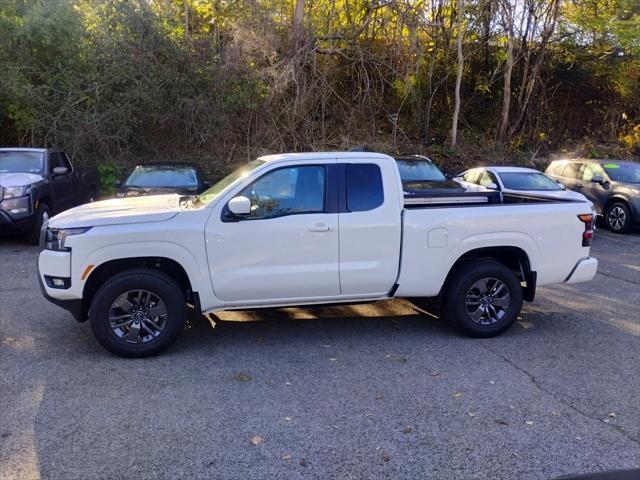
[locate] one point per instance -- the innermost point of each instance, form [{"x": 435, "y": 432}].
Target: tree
[{"x": 459, "y": 70}]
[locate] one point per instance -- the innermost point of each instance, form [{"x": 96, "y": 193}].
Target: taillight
[{"x": 587, "y": 235}]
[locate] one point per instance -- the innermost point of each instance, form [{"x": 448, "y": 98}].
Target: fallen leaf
[
  {"x": 242, "y": 377},
  {"x": 612, "y": 415},
  {"x": 257, "y": 440},
  {"x": 288, "y": 383},
  {"x": 386, "y": 457},
  {"x": 288, "y": 419},
  {"x": 529, "y": 422},
  {"x": 526, "y": 325},
  {"x": 472, "y": 414},
  {"x": 457, "y": 394},
  {"x": 303, "y": 462},
  {"x": 286, "y": 457},
  {"x": 407, "y": 429},
  {"x": 379, "y": 396},
  {"x": 333, "y": 359},
  {"x": 435, "y": 374},
  {"x": 492, "y": 382},
  {"x": 500, "y": 421},
  {"x": 555, "y": 413}
]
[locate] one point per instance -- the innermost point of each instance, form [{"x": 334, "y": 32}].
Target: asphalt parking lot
[{"x": 375, "y": 391}]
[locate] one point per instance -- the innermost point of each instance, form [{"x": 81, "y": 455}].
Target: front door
[
  {"x": 595, "y": 192},
  {"x": 286, "y": 249},
  {"x": 62, "y": 184}
]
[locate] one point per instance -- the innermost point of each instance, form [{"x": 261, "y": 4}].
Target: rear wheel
[
  {"x": 483, "y": 298},
  {"x": 618, "y": 218},
  {"x": 41, "y": 217},
  {"x": 138, "y": 313}
]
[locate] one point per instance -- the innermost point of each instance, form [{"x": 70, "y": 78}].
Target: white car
[
  {"x": 515, "y": 180},
  {"x": 304, "y": 229}
]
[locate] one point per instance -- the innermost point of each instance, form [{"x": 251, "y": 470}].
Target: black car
[
  {"x": 420, "y": 175},
  {"x": 37, "y": 183},
  {"x": 163, "y": 178},
  {"x": 613, "y": 187}
]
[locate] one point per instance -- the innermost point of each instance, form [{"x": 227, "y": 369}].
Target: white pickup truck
[{"x": 304, "y": 229}]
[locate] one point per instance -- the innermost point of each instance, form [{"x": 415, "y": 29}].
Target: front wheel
[
  {"x": 138, "y": 313},
  {"x": 483, "y": 298},
  {"x": 618, "y": 218}
]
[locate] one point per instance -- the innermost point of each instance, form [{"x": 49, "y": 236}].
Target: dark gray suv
[{"x": 613, "y": 187}]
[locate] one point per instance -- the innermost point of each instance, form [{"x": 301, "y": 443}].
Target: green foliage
[
  {"x": 116, "y": 82},
  {"x": 110, "y": 174}
]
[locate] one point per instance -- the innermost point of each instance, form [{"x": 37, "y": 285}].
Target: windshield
[
  {"x": 623, "y": 172},
  {"x": 417, "y": 171},
  {"x": 528, "y": 181},
  {"x": 21, "y": 162},
  {"x": 212, "y": 193},
  {"x": 163, "y": 176}
]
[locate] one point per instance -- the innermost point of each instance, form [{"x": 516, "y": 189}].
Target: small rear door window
[
  {"x": 364, "y": 187},
  {"x": 572, "y": 170}
]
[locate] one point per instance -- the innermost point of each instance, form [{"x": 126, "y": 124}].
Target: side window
[
  {"x": 364, "y": 187},
  {"x": 592, "y": 170},
  {"x": 64, "y": 161},
  {"x": 54, "y": 161},
  {"x": 487, "y": 178},
  {"x": 556, "y": 169},
  {"x": 287, "y": 191},
  {"x": 571, "y": 170}
]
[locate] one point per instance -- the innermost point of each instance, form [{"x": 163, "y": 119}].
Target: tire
[
  {"x": 618, "y": 218},
  {"x": 115, "y": 313},
  {"x": 43, "y": 213},
  {"x": 464, "y": 292}
]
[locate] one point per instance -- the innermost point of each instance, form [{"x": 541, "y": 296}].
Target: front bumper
[
  {"x": 584, "y": 270},
  {"x": 16, "y": 215},
  {"x": 58, "y": 265}
]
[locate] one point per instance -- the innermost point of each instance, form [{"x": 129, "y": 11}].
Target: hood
[
  {"x": 18, "y": 179},
  {"x": 119, "y": 211},
  {"x": 412, "y": 187},
  {"x": 553, "y": 194}
]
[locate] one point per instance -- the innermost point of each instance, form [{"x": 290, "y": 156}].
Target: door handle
[{"x": 321, "y": 227}]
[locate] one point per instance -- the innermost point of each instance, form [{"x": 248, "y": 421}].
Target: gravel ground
[{"x": 374, "y": 391}]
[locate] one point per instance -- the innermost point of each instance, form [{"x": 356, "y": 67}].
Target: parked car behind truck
[
  {"x": 36, "y": 183},
  {"x": 302, "y": 229},
  {"x": 612, "y": 185}
]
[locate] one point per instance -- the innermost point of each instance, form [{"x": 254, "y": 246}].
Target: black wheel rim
[
  {"x": 138, "y": 316},
  {"x": 487, "y": 301},
  {"x": 617, "y": 218}
]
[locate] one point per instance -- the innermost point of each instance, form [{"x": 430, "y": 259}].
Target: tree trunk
[
  {"x": 456, "y": 108},
  {"x": 506, "y": 92},
  {"x": 298, "y": 15}
]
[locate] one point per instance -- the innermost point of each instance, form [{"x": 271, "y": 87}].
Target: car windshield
[
  {"x": 163, "y": 177},
  {"x": 212, "y": 193},
  {"x": 419, "y": 171},
  {"x": 21, "y": 162},
  {"x": 528, "y": 181},
  {"x": 623, "y": 172}
]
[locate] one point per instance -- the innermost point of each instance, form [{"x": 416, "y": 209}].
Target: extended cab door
[
  {"x": 286, "y": 249},
  {"x": 370, "y": 226}
]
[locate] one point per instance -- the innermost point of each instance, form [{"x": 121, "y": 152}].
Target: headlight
[
  {"x": 54, "y": 238},
  {"x": 12, "y": 192}
]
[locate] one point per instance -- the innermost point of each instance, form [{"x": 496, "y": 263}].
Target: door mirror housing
[
  {"x": 491, "y": 186},
  {"x": 561, "y": 185},
  {"x": 240, "y": 205},
  {"x": 60, "y": 170},
  {"x": 598, "y": 179}
]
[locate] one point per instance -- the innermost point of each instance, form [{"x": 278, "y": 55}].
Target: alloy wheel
[
  {"x": 487, "y": 301},
  {"x": 138, "y": 316},
  {"x": 617, "y": 218}
]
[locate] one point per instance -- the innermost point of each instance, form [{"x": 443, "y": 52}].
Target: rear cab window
[{"x": 364, "y": 189}]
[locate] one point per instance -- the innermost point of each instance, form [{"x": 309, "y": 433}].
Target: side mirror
[
  {"x": 206, "y": 184},
  {"x": 60, "y": 170},
  {"x": 561, "y": 185},
  {"x": 448, "y": 176},
  {"x": 598, "y": 179},
  {"x": 240, "y": 205},
  {"x": 491, "y": 186}
]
